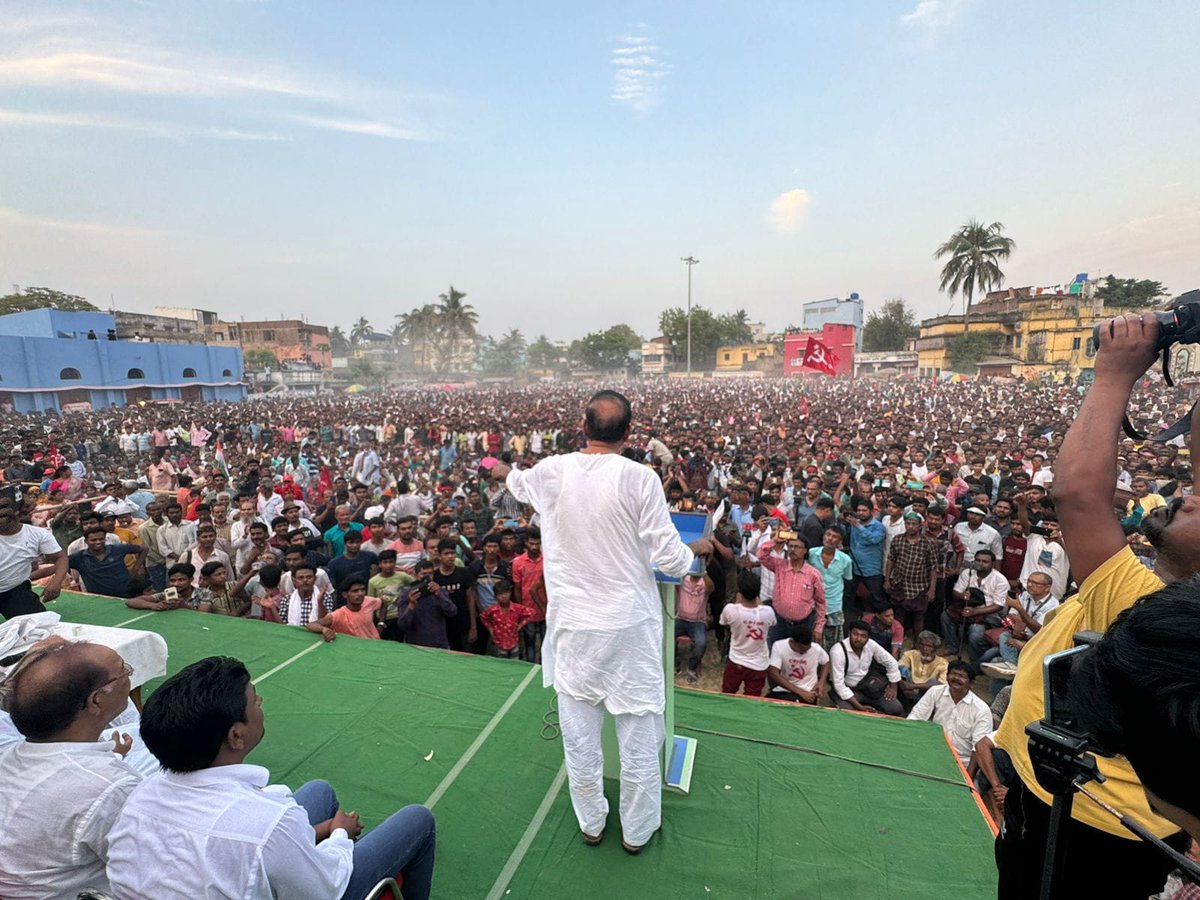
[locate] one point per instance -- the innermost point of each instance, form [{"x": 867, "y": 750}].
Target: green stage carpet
[{"x": 389, "y": 724}]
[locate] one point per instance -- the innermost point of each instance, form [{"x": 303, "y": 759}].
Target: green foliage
[
  {"x": 363, "y": 371},
  {"x": 505, "y": 356},
  {"x": 889, "y": 327},
  {"x": 965, "y": 351},
  {"x": 435, "y": 332},
  {"x": 974, "y": 254},
  {"x": 708, "y": 333},
  {"x": 1130, "y": 293},
  {"x": 360, "y": 331},
  {"x": 43, "y": 298},
  {"x": 261, "y": 359},
  {"x": 338, "y": 340},
  {"x": 606, "y": 350},
  {"x": 542, "y": 354}
]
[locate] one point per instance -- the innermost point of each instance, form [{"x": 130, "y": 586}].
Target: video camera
[{"x": 1178, "y": 325}]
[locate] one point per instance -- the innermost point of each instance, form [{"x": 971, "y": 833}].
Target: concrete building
[
  {"x": 133, "y": 326},
  {"x": 841, "y": 339},
  {"x": 48, "y": 362},
  {"x": 1027, "y": 331},
  {"x": 288, "y": 339},
  {"x": 888, "y": 362},
  {"x": 835, "y": 311},
  {"x": 745, "y": 357},
  {"x": 658, "y": 357}
]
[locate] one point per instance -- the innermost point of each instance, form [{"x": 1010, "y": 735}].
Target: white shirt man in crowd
[
  {"x": 225, "y": 831},
  {"x": 175, "y": 535},
  {"x": 21, "y": 546},
  {"x": 799, "y": 669},
  {"x": 604, "y": 624},
  {"x": 984, "y": 577},
  {"x": 854, "y": 685},
  {"x": 977, "y": 535},
  {"x": 62, "y": 787},
  {"x": 962, "y": 714}
]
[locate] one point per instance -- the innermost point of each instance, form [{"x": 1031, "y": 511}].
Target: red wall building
[{"x": 838, "y": 338}]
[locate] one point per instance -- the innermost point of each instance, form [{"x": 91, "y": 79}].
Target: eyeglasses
[{"x": 126, "y": 672}]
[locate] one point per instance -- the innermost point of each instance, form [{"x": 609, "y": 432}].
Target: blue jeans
[
  {"x": 403, "y": 843},
  {"x": 1004, "y": 651},
  {"x": 158, "y": 577},
  {"x": 698, "y": 632},
  {"x": 783, "y": 627},
  {"x": 977, "y": 641},
  {"x": 532, "y": 636}
]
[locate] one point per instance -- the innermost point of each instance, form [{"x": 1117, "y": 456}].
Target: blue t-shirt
[
  {"x": 106, "y": 575},
  {"x": 835, "y": 577}
]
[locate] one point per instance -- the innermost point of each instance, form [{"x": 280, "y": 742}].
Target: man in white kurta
[{"x": 604, "y": 522}]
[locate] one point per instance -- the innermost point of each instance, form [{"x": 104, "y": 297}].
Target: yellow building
[
  {"x": 1029, "y": 331},
  {"x": 743, "y": 356}
]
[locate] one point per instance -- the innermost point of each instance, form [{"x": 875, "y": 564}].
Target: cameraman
[
  {"x": 1137, "y": 693},
  {"x": 1103, "y": 859}
]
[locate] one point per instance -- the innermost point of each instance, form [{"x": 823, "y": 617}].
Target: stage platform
[{"x": 786, "y": 802}]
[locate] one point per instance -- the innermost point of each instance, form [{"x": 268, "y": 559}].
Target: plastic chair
[{"x": 388, "y": 889}]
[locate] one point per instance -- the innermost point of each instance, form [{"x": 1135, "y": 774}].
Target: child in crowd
[
  {"x": 691, "y": 619},
  {"x": 179, "y": 594},
  {"x": 360, "y": 615},
  {"x": 505, "y": 619},
  {"x": 387, "y": 585},
  {"x": 264, "y": 592},
  {"x": 799, "y": 669},
  {"x": 748, "y": 621}
]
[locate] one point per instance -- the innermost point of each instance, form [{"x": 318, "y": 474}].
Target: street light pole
[{"x": 690, "y": 261}]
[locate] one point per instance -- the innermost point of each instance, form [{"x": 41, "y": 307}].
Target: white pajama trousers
[{"x": 639, "y": 738}]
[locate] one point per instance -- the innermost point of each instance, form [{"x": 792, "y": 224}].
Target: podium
[{"x": 678, "y": 753}]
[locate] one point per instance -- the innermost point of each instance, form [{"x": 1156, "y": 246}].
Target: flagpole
[{"x": 690, "y": 261}]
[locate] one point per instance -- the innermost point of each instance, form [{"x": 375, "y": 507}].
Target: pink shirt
[
  {"x": 357, "y": 624},
  {"x": 797, "y": 593}
]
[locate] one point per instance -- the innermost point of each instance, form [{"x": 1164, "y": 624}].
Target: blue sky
[{"x": 556, "y": 160}]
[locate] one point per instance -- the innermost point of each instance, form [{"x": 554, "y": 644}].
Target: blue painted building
[
  {"x": 835, "y": 311},
  {"x": 48, "y": 362}
]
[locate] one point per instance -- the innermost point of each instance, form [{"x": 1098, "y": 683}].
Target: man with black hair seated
[
  {"x": 210, "y": 825},
  {"x": 62, "y": 786},
  {"x": 963, "y": 715}
]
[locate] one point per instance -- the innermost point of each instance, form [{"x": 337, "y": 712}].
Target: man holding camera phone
[{"x": 1103, "y": 859}]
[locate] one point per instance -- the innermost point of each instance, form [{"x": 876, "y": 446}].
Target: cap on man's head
[{"x": 976, "y": 510}]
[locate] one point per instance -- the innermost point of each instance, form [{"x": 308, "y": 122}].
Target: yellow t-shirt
[
  {"x": 924, "y": 672},
  {"x": 1149, "y": 502},
  {"x": 1113, "y": 587}
]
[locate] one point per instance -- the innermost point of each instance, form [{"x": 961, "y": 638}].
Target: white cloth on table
[
  {"x": 58, "y": 802},
  {"x": 604, "y": 524},
  {"x": 145, "y": 651},
  {"x": 225, "y": 833}
]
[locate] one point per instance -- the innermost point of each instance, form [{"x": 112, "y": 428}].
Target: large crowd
[{"x": 877, "y": 544}]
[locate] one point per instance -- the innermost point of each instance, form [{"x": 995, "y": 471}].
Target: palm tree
[
  {"x": 455, "y": 320},
  {"x": 360, "y": 331},
  {"x": 337, "y": 338},
  {"x": 974, "y": 252}
]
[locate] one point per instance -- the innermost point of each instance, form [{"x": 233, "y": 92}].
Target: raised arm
[{"x": 1083, "y": 487}]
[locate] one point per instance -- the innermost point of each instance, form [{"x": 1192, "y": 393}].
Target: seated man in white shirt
[
  {"x": 799, "y": 669},
  {"x": 864, "y": 674},
  {"x": 225, "y": 831},
  {"x": 963, "y": 716},
  {"x": 61, "y": 787}
]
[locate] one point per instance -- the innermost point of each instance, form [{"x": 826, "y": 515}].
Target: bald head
[
  {"x": 607, "y": 417},
  {"x": 63, "y": 687}
]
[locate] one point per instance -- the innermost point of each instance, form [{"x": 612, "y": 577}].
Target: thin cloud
[
  {"x": 10, "y": 216},
  {"x": 786, "y": 212},
  {"x": 82, "y": 57},
  {"x": 931, "y": 17},
  {"x": 163, "y": 130},
  {"x": 358, "y": 126},
  {"x": 638, "y": 73}
]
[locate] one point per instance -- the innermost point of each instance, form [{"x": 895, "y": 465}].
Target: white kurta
[{"x": 604, "y": 522}]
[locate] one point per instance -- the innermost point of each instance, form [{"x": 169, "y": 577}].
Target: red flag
[
  {"x": 818, "y": 356},
  {"x": 804, "y": 406}
]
